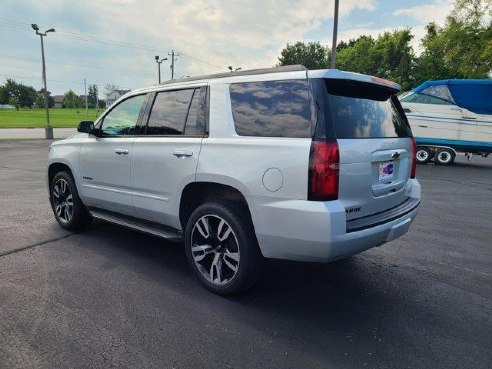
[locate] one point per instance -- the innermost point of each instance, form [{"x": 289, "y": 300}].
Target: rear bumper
[{"x": 318, "y": 231}]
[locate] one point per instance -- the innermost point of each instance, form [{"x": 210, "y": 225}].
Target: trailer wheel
[
  {"x": 444, "y": 157},
  {"x": 424, "y": 155}
]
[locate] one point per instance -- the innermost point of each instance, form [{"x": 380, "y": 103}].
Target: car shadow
[{"x": 347, "y": 302}]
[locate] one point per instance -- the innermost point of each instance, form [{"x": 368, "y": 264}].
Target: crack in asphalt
[
  {"x": 27, "y": 170},
  {"x": 5, "y": 253}
]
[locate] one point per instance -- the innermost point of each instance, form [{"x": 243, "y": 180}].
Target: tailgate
[{"x": 374, "y": 140}]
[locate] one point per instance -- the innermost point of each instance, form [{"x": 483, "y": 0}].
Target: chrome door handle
[
  {"x": 182, "y": 153},
  {"x": 121, "y": 151}
]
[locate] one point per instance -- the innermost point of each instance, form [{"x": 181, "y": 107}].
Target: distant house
[
  {"x": 58, "y": 101},
  {"x": 115, "y": 95}
]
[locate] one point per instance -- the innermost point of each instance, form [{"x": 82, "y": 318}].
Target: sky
[{"x": 116, "y": 41}]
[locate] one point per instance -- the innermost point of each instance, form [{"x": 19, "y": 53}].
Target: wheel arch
[{"x": 196, "y": 193}]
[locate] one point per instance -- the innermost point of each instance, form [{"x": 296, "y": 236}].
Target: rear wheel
[
  {"x": 424, "y": 155},
  {"x": 444, "y": 157},
  {"x": 69, "y": 210},
  {"x": 221, "y": 247}
]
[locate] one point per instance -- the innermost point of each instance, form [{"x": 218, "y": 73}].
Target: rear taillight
[
  {"x": 324, "y": 162},
  {"x": 414, "y": 158}
]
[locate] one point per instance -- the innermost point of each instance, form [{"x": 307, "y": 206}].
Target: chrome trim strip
[{"x": 131, "y": 193}]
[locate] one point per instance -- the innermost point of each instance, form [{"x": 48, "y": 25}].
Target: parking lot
[{"x": 111, "y": 297}]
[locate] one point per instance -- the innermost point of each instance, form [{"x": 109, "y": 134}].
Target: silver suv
[{"x": 287, "y": 163}]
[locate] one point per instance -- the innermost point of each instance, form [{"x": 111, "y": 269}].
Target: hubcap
[
  {"x": 444, "y": 157},
  {"x": 63, "y": 201},
  {"x": 215, "y": 250},
  {"x": 422, "y": 155}
]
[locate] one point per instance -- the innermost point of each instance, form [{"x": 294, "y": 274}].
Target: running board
[{"x": 152, "y": 228}]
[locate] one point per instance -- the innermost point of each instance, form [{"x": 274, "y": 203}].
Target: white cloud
[
  {"x": 247, "y": 34},
  {"x": 423, "y": 14}
]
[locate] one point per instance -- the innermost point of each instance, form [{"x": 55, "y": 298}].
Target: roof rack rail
[{"x": 288, "y": 68}]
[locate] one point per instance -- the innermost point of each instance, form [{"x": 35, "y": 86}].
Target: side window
[
  {"x": 195, "y": 123},
  {"x": 272, "y": 108},
  {"x": 169, "y": 112},
  {"x": 122, "y": 119}
]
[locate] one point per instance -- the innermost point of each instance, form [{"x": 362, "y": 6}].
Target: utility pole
[
  {"x": 334, "y": 44},
  {"x": 172, "y": 54},
  {"x": 85, "y": 93},
  {"x": 48, "y": 130}
]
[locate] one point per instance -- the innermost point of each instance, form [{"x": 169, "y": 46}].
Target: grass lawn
[{"x": 34, "y": 118}]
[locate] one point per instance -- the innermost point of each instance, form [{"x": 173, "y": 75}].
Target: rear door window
[
  {"x": 364, "y": 110},
  {"x": 169, "y": 112},
  {"x": 179, "y": 112},
  {"x": 272, "y": 108}
]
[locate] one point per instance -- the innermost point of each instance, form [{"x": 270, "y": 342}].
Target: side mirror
[{"x": 86, "y": 126}]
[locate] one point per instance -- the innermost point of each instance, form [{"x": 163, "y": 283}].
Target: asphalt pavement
[{"x": 111, "y": 297}]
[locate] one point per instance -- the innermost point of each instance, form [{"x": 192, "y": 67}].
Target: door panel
[
  {"x": 105, "y": 159},
  {"x": 106, "y": 176},
  {"x": 164, "y": 160},
  {"x": 162, "y": 167}
]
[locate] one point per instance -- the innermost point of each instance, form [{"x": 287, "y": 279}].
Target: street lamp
[
  {"x": 159, "y": 65},
  {"x": 232, "y": 69},
  {"x": 48, "y": 130}
]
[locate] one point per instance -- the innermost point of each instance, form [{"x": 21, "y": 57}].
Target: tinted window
[
  {"x": 169, "y": 112},
  {"x": 364, "y": 110},
  {"x": 272, "y": 108},
  {"x": 122, "y": 119},
  {"x": 195, "y": 123}
]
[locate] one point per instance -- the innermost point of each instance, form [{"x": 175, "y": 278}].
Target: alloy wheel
[
  {"x": 215, "y": 249},
  {"x": 63, "y": 201}
]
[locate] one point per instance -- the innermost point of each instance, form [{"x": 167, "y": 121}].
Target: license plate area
[{"x": 386, "y": 171}]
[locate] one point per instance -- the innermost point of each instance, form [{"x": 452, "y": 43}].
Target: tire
[
  {"x": 424, "y": 155},
  {"x": 221, "y": 247},
  {"x": 444, "y": 157},
  {"x": 69, "y": 210}
]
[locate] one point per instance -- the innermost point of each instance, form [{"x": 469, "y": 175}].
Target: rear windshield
[{"x": 350, "y": 109}]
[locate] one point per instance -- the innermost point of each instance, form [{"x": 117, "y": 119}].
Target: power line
[
  {"x": 104, "y": 41},
  {"x": 73, "y": 64}
]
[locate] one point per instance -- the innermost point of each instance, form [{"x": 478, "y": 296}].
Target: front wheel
[
  {"x": 67, "y": 206},
  {"x": 221, "y": 247}
]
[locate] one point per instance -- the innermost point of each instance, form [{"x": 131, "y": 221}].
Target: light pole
[
  {"x": 232, "y": 69},
  {"x": 48, "y": 130},
  {"x": 334, "y": 44},
  {"x": 159, "y": 65}
]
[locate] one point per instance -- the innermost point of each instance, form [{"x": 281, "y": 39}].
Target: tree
[
  {"x": 18, "y": 94},
  {"x": 40, "y": 100},
  {"x": 109, "y": 88},
  {"x": 51, "y": 100},
  {"x": 312, "y": 55},
  {"x": 4, "y": 95},
  {"x": 462, "y": 48},
  {"x": 70, "y": 100},
  {"x": 92, "y": 96},
  {"x": 389, "y": 56}
]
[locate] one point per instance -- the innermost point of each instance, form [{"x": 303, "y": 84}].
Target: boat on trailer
[{"x": 450, "y": 116}]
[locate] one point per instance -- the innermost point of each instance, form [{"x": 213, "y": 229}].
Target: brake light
[
  {"x": 324, "y": 163},
  {"x": 414, "y": 157}
]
